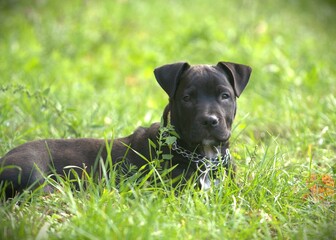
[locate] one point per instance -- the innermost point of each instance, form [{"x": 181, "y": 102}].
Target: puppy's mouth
[
  {"x": 211, "y": 148},
  {"x": 208, "y": 144}
]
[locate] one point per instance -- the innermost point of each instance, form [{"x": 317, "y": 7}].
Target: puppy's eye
[
  {"x": 225, "y": 96},
  {"x": 186, "y": 98}
]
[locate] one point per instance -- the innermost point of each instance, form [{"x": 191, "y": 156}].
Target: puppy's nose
[{"x": 210, "y": 121}]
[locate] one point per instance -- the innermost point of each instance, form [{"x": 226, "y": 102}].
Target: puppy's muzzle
[{"x": 209, "y": 121}]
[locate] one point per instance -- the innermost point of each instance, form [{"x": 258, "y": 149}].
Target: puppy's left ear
[
  {"x": 168, "y": 76},
  {"x": 239, "y": 75}
]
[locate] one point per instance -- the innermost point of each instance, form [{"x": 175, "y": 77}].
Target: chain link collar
[
  {"x": 203, "y": 164},
  {"x": 202, "y": 161}
]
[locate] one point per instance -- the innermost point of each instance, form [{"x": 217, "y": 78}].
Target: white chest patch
[{"x": 210, "y": 153}]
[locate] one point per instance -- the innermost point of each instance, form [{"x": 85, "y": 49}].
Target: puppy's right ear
[
  {"x": 239, "y": 75},
  {"x": 168, "y": 76}
]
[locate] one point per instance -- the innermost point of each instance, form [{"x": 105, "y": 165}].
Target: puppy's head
[{"x": 202, "y": 99}]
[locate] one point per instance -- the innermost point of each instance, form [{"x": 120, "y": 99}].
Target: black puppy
[{"x": 202, "y": 106}]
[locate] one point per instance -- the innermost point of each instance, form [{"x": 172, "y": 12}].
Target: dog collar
[
  {"x": 205, "y": 166},
  {"x": 202, "y": 161}
]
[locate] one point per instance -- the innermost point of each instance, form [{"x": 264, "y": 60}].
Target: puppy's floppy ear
[
  {"x": 239, "y": 75},
  {"x": 168, "y": 76}
]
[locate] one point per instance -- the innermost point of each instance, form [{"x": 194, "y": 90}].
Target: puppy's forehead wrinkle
[{"x": 201, "y": 72}]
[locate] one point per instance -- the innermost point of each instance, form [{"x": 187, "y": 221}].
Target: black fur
[{"x": 202, "y": 107}]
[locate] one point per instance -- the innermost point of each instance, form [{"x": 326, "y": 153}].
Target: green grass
[{"x": 84, "y": 69}]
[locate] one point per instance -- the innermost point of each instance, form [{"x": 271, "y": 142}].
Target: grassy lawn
[{"x": 85, "y": 69}]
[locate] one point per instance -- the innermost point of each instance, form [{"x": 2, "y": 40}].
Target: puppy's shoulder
[{"x": 147, "y": 132}]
